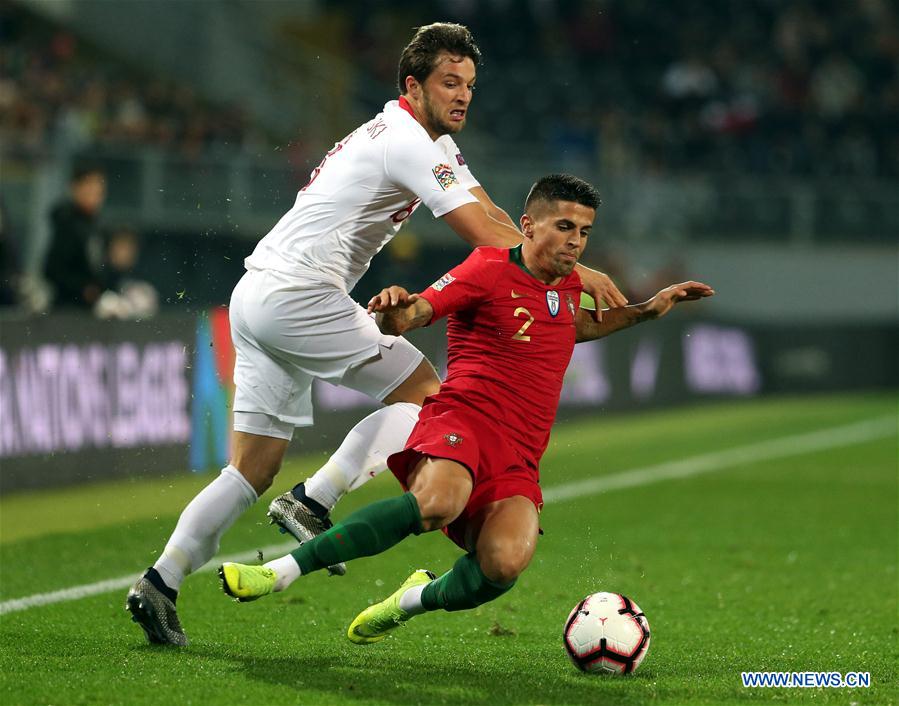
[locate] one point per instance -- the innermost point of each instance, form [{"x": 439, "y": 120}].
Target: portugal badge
[{"x": 453, "y": 439}]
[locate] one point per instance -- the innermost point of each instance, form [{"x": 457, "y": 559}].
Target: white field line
[
  {"x": 93, "y": 589},
  {"x": 797, "y": 445}
]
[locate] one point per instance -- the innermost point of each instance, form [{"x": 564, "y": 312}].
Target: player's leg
[
  {"x": 258, "y": 445},
  {"x": 195, "y": 540},
  {"x": 255, "y": 460},
  {"x": 438, "y": 492},
  {"x": 503, "y": 535},
  {"x": 389, "y": 369},
  {"x": 364, "y": 451}
]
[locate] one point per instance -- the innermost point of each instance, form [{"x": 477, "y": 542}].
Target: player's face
[
  {"x": 555, "y": 236},
  {"x": 446, "y": 94}
]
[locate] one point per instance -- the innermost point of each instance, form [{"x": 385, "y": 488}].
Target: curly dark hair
[{"x": 420, "y": 55}]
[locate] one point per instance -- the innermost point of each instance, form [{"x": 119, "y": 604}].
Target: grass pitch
[{"x": 782, "y": 561}]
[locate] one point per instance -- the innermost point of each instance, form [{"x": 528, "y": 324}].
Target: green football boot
[
  {"x": 373, "y": 623},
  {"x": 246, "y": 583}
]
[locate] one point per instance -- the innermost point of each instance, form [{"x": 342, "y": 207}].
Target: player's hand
[
  {"x": 662, "y": 302},
  {"x": 601, "y": 287},
  {"x": 391, "y": 298}
]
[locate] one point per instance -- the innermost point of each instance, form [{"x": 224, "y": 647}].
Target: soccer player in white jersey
[{"x": 292, "y": 318}]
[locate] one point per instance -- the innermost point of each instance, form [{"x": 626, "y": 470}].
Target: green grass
[{"x": 787, "y": 565}]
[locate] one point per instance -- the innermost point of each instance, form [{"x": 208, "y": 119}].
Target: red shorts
[{"x": 497, "y": 470}]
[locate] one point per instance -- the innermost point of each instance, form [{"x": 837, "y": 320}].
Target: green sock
[
  {"x": 462, "y": 587},
  {"x": 370, "y": 530}
]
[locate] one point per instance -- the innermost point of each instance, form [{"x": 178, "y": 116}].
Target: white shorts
[{"x": 287, "y": 333}]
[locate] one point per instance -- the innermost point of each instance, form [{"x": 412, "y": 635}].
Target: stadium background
[
  {"x": 748, "y": 144},
  {"x": 751, "y": 144}
]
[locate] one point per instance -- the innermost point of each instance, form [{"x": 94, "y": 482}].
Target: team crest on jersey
[
  {"x": 552, "y": 301},
  {"x": 453, "y": 439},
  {"x": 570, "y": 302},
  {"x": 445, "y": 176},
  {"x": 442, "y": 282}
]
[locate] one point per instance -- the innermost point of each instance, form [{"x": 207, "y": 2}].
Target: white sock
[
  {"x": 202, "y": 523},
  {"x": 327, "y": 486},
  {"x": 410, "y": 601},
  {"x": 363, "y": 453},
  {"x": 287, "y": 570}
]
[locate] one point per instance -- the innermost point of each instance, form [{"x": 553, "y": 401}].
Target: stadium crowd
[
  {"x": 761, "y": 86},
  {"x": 58, "y": 92}
]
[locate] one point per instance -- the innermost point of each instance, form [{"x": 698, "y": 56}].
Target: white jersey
[{"x": 357, "y": 199}]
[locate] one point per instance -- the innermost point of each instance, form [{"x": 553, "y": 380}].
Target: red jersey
[{"x": 510, "y": 337}]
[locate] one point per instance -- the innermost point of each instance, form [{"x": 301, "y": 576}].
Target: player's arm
[
  {"x": 468, "y": 180},
  {"x": 397, "y": 311},
  {"x": 494, "y": 211},
  {"x": 463, "y": 287},
  {"x": 427, "y": 171},
  {"x": 589, "y": 329},
  {"x": 476, "y": 227},
  {"x": 601, "y": 287}
]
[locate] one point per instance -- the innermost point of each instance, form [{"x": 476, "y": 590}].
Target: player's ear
[
  {"x": 527, "y": 226},
  {"x": 413, "y": 87}
]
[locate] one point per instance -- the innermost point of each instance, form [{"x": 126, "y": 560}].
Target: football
[{"x": 606, "y": 633}]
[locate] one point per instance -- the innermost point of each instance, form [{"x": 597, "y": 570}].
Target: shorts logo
[
  {"x": 453, "y": 439},
  {"x": 460, "y": 159},
  {"x": 552, "y": 301},
  {"x": 445, "y": 176},
  {"x": 442, "y": 282},
  {"x": 570, "y": 302}
]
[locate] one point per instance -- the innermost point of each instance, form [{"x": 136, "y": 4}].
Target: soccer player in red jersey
[{"x": 471, "y": 465}]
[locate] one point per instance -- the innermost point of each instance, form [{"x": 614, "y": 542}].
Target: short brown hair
[{"x": 420, "y": 55}]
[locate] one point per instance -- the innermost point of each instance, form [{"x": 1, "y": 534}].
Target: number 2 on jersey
[{"x": 520, "y": 336}]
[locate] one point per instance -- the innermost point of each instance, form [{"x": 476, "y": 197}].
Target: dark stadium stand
[
  {"x": 59, "y": 92},
  {"x": 804, "y": 88}
]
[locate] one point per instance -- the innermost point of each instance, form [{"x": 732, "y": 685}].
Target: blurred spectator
[
  {"x": 689, "y": 78},
  {"x": 73, "y": 258},
  {"x": 837, "y": 87},
  {"x": 124, "y": 297},
  {"x": 56, "y": 93}
]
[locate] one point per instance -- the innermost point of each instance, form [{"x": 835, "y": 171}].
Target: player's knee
[
  {"x": 422, "y": 383},
  {"x": 428, "y": 388},
  {"x": 262, "y": 477},
  {"x": 259, "y": 473},
  {"x": 504, "y": 563},
  {"x": 415, "y": 395},
  {"x": 438, "y": 509},
  {"x": 258, "y": 458}
]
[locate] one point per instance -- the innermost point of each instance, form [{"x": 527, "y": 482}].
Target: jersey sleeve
[
  {"x": 463, "y": 287},
  {"x": 424, "y": 169},
  {"x": 457, "y": 161}
]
